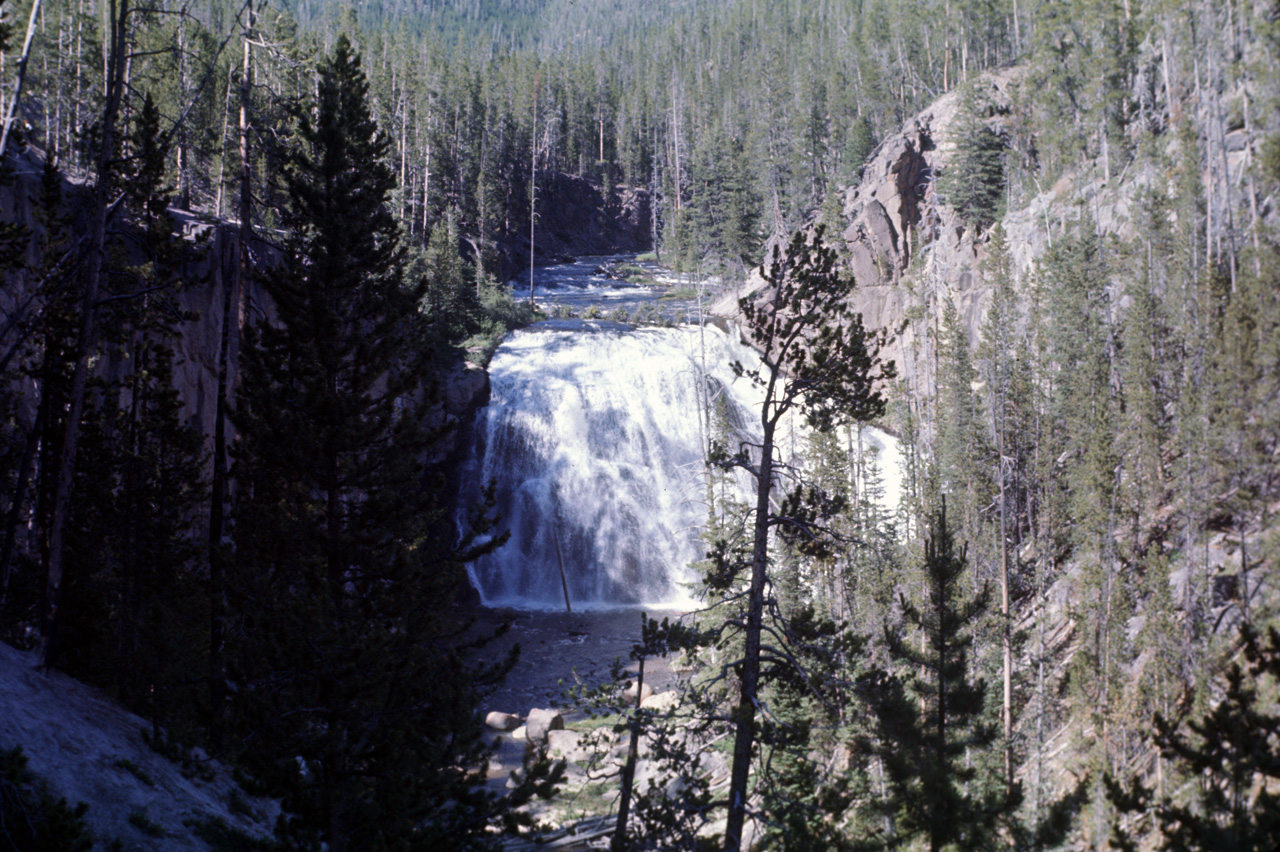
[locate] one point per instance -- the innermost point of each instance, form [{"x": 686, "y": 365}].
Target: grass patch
[
  {"x": 588, "y": 724},
  {"x": 647, "y": 257},
  {"x": 679, "y": 293},
  {"x": 632, "y": 273}
]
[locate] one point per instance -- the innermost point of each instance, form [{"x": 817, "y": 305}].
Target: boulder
[
  {"x": 562, "y": 743},
  {"x": 520, "y": 733},
  {"x": 540, "y": 722},
  {"x": 629, "y": 694},
  {"x": 502, "y": 721},
  {"x": 662, "y": 702}
]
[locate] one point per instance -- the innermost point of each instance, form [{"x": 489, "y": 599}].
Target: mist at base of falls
[{"x": 594, "y": 438}]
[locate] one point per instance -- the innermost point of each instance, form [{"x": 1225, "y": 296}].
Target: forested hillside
[{"x": 245, "y": 244}]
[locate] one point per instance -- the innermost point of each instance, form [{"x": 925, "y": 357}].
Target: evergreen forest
[{"x": 251, "y": 248}]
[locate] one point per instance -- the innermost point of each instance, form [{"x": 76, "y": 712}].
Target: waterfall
[{"x": 594, "y": 437}]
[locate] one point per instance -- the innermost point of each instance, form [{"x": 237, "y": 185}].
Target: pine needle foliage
[
  {"x": 818, "y": 360},
  {"x": 354, "y": 700},
  {"x": 1230, "y": 756},
  {"x": 974, "y": 179},
  {"x": 935, "y": 735}
]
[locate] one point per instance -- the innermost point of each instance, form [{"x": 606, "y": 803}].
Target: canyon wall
[{"x": 908, "y": 251}]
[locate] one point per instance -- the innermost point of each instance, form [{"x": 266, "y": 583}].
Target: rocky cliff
[{"x": 908, "y": 251}]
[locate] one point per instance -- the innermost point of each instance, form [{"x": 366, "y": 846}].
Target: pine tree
[
  {"x": 973, "y": 181},
  {"x": 934, "y": 730},
  {"x": 964, "y": 450},
  {"x": 136, "y": 588},
  {"x": 1230, "y": 758},
  {"x": 1005, "y": 377},
  {"x": 1084, "y": 412},
  {"x": 1242, "y": 395},
  {"x": 451, "y": 304},
  {"x": 817, "y": 359},
  {"x": 37, "y": 353},
  {"x": 350, "y": 698},
  {"x": 104, "y": 137}
]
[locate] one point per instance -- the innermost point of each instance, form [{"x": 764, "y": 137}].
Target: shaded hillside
[
  {"x": 86, "y": 748},
  {"x": 574, "y": 218}
]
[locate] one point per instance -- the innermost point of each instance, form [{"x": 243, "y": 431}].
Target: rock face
[
  {"x": 884, "y": 210},
  {"x": 89, "y": 749},
  {"x": 896, "y": 231},
  {"x": 901, "y": 244},
  {"x": 466, "y": 389},
  {"x": 909, "y": 252},
  {"x": 208, "y": 281}
]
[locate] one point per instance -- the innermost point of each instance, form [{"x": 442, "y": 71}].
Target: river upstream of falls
[{"x": 594, "y": 439}]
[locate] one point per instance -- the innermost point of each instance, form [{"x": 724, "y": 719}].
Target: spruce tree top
[{"x": 338, "y": 181}]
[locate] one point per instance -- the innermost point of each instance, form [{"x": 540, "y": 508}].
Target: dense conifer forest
[{"x": 1065, "y": 636}]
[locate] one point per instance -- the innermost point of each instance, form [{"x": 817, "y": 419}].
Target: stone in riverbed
[
  {"x": 540, "y": 722},
  {"x": 563, "y": 743},
  {"x": 502, "y": 721}
]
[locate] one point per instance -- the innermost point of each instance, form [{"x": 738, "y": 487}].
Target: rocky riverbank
[{"x": 532, "y": 710}]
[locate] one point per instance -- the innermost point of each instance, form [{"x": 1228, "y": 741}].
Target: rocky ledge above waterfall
[{"x": 465, "y": 391}]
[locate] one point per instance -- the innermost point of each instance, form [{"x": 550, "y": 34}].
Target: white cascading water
[{"x": 594, "y": 437}]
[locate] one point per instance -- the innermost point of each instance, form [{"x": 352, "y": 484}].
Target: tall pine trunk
[
  {"x": 87, "y": 337},
  {"x": 745, "y": 716},
  {"x": 233, "y": 293}
]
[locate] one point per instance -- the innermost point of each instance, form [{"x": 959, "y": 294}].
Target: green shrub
[{"x": 1271, "y": 158}]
